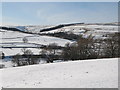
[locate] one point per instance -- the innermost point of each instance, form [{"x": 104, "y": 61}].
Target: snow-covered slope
[
  {"x": 13, "y": 36},
  {"x": 95, "y": 30},
  {"x": 14, "y": 51},
  {"x": 101, "y": 73},
  {"x": 15, "y": 39},
  {"x": 31, "y": 28}
]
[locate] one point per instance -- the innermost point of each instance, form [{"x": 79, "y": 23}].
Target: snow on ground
[
  {"x": 14, "y": 51},
  {"x": 96, "y": 30},
  {"x": 37, "y": 28},
  {"x": 7, "y": 64},
  {"x": 101, "y": 73},
  {"x": 13, "y": 36},
  {"x": 30, "y": 28},
  {"x": 15, "y": 39}
]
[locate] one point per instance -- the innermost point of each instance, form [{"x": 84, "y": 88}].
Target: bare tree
[
  {"x": 27, "y": 53},
  {"x": 2, "y": 55},
  {"x": 66, "y": 52},
  {"x": 112, "y": 46},
  {"x": 25, "y": 40},
  {"x": 43, "y": 52},
  {"x": 23, "y": 50},
  {"x": 83, "y": 49},
  {"x": 52, "y": 48},
  {"x": 16, "y": 59}
]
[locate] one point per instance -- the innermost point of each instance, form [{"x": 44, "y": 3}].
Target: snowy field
[
  {"x": 14, "y": 51},
  {"x": 101, "y": 73},
  {"x": 15, "y": 39}
]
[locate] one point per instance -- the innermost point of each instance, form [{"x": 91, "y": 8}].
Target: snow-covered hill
[
  {"x": 100, "y": 73},
  {"x": 84, "y": 29},
  {"x": 15, "y": 39},
  {"x": 30, "y": 28},
  {"x": 95, "y": 30}
]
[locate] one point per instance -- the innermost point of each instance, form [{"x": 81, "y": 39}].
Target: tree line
[{"x": 82, "y": 49}]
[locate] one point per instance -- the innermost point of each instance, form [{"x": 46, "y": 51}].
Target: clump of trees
[
  {"x": 89, "y": 48},
  {"x": 64, "y": 35},
  {"x": 2, "y": 55},
  {"x": 82, "y": 49},
  {"x": 16, "y": 59},
  {"x": 112, "y": 46},
  {"x": 50, "y": 52},
  {"x": 27, "y": 58}
]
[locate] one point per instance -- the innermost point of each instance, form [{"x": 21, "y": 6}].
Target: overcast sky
[{"x": 51, "y": 13}]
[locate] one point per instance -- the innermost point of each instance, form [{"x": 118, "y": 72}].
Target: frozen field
[
  {"x": 15, "y": 39},
  {"x": 101, "y": 73}
]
